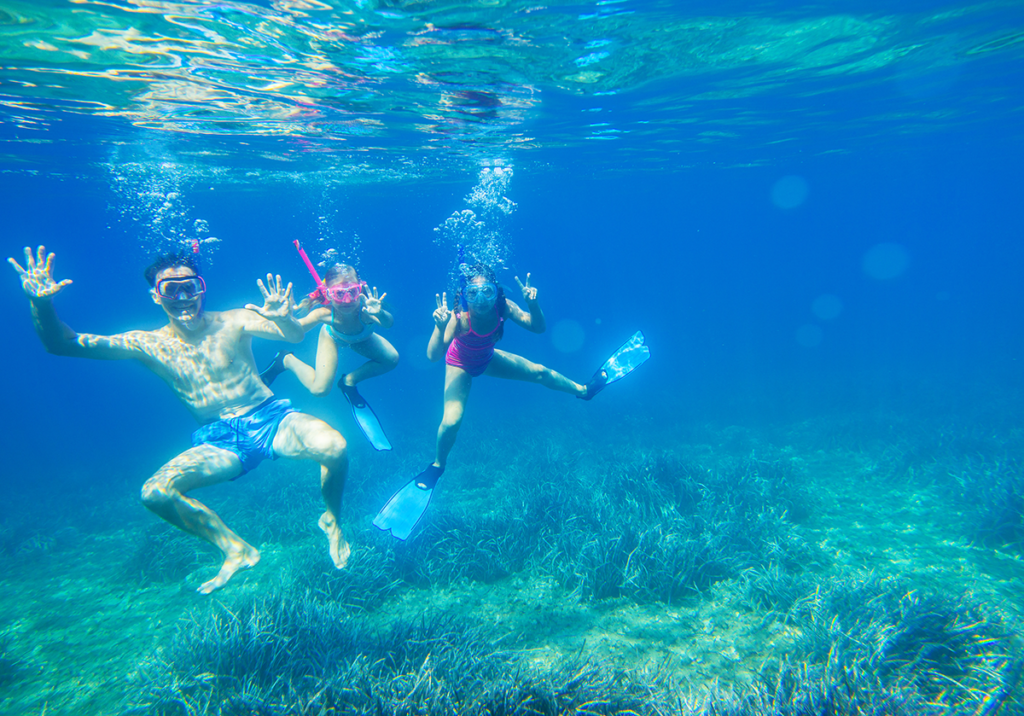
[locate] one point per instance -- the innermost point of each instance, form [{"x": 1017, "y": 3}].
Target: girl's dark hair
[
  {"x": 484, "y": 271},
  {"x": 185, "y": 259},
  {"x": 336, "y": 271}
]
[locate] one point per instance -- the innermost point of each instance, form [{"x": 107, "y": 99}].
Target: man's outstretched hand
[
  {"x": 277, "y": 300},
  {"x": 37, "y": 276}
]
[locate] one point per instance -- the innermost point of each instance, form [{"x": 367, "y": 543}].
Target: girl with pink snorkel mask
[{"x": 348, "y": 314}]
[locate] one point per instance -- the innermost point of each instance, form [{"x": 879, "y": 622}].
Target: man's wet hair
[{"x": 185, "y": 259}]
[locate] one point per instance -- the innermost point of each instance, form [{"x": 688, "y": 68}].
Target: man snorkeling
[{"x": 206, "y": 358}]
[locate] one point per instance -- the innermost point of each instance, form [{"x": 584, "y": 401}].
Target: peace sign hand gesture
[
  {"x": 441, "y": 313},
  {"x": 374, "y": 305},
  {"x": 37, "y": 276},
  {"x": 277, "y": 300},
  {"x": 529, "y": 292}
]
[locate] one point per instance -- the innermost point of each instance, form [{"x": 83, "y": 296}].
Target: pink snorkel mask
[{"x": 345, "y": 294}]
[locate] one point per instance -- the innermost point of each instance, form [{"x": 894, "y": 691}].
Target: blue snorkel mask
[
  {"x": 481, "y": 295},
  {"x": 481, "y": 292},
  {"x": 478, "y": 287}
]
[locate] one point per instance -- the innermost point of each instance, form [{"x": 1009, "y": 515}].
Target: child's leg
[
  {"x": 317, "y": 380},
  {"x": 457, "y": 383},
  {"x": 513, "y": 367},
  {"x": 382, "y": 358}
]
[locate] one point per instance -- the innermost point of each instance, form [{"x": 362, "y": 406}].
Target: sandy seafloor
[{"x": 95, "y": 588}]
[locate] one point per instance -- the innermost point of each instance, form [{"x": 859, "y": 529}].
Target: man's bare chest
[{"x": 209, "y": 356}]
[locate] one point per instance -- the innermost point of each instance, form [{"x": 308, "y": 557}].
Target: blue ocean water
[
  {"x": 811, "y": 210},
  {"x": 721, "y": 280}
]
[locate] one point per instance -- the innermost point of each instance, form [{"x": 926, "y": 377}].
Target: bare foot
[
  {"x": 246, "y": 556},
  {"x": 340, "y": 549}
]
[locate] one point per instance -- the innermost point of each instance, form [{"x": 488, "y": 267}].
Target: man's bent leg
[
  {"x": 165, "y": 494},
  {"x": 303, "y": 436}
]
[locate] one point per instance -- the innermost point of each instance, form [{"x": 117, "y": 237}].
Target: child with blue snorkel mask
[
  {"x": 466, "y": 340},
  {"x": 348, "y": 314}
]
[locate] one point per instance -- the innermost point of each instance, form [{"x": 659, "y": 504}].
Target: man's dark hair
[{"x": 187, "y": 259}]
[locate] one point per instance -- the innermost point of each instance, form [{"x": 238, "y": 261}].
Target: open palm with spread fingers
[
  {"x": 529, "y": 292},
  {"x": 375, "y": 304},
  {"x": 37, "y": 276},
  {"x": 277, "y": 299}
]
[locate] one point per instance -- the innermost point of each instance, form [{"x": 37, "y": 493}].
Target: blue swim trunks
[{"x": 250, "y": 436}]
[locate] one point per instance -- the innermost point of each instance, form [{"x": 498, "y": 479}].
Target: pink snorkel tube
[{"x": 320, "y": 294}]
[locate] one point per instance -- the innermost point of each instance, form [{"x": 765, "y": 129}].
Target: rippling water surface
[{"x": 401, "y": 88}]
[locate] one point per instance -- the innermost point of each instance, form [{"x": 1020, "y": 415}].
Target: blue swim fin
[
  {"x": 406, "y": 507},
  {"x": 276, "y": 368},
  {"x": 365, "y": 418},
  {"x": 630, "y": 356}
]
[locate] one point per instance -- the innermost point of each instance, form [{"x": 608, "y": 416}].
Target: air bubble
[
  {"x": 827, "y": 307},
  {"x": 790, "y": 192},
  {"x": 809, "y": 335},
  {"x": 478, "y": 232},
  {"x": 885, "y": 261}
]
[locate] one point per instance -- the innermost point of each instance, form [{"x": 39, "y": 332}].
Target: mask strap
[{"x": 320, "y": 294}]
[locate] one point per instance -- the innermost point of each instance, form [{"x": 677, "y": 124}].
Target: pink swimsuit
[{"x": 471, "y": 351}]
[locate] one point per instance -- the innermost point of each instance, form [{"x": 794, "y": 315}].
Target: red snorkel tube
[
  {"x": 320, "y": 294},
  {"x": 199, "y": 261}
]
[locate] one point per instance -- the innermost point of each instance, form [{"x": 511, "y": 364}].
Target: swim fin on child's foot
[
  {"x": 364, "y": 416},
  {"x": 406, "y": 507},
  {"x": 276, "y": 368},
  {"x": 630, "y": 356}
]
